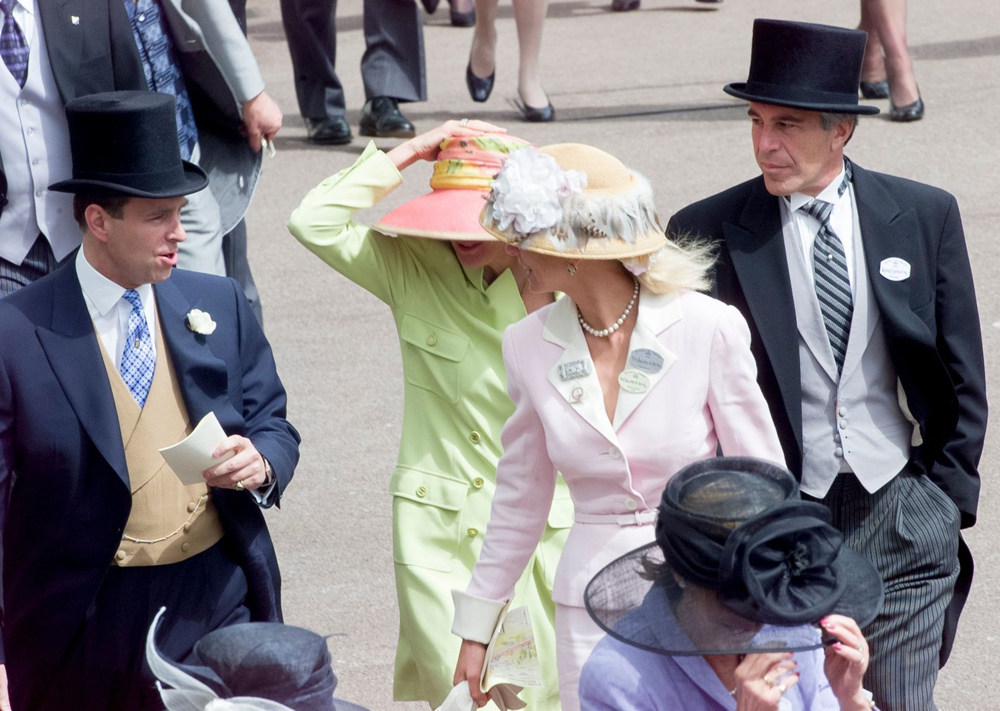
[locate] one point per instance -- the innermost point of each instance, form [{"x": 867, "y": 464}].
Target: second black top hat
[{"x": 804, "y": 66}]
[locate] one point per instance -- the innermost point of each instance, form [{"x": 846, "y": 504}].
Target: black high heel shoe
[
  {"x": 875, "y": 89},
  {"x": 463, "y": 19},
  {"x": 910, "y": 112},
  {"x": 535, "y": 115},
  {"x": 479, "y": 88}
]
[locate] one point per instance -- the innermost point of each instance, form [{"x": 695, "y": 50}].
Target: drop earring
[{"x": 571, "y": 269}]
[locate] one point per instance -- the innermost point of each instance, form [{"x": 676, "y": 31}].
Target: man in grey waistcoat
[{"x": 858, "y": 292}]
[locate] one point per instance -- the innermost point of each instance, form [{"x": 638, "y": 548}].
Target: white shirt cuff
[{"x": 475, "y": 617}]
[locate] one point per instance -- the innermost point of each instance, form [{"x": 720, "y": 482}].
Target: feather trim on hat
[{"x": 533, "y": 198}]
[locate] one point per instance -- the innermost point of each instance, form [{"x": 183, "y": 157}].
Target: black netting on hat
[{"x": 637, "y": 600}]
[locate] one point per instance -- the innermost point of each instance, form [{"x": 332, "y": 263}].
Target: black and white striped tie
[{"x": 833, "y": 285}]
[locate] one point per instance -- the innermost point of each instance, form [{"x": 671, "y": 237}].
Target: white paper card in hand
[
  {"x": 193, "y": 454},
  {"x": 512, "y": 657}
]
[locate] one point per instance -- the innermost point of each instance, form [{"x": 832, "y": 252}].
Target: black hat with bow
[
  {"x": 740, "y": 565},
  {"x": 804, "y": 66}
]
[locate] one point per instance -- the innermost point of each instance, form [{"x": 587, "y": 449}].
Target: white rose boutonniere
[{"x": 200, "y": 322}]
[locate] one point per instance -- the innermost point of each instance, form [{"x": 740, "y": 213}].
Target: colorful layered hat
[{"x": 463, "y": 175}]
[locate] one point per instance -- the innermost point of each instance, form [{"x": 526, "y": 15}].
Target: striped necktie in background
[
  {"x": 13, "y": 48},
  {"x": 833, "y": 285}
]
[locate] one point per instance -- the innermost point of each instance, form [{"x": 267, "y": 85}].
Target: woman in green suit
[{"x": 452, "y": 291}]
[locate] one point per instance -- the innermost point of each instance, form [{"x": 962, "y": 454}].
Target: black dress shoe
[
  {"x": 479, "y": 89},
  {"x": 463, "y": 19},
  {"x": 534, "y": 115},
  {"x": 328, "y": 131},
  {"x": 382, "y": 118},
  {"x": 875, "y": 89},
  {"x": 625, "y": 5},
  {"x": 430, "y": 5},
  {"x": 910, "y": 112}
]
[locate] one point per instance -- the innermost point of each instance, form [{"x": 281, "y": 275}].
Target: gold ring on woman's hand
[{"x": 239, "y": 486}]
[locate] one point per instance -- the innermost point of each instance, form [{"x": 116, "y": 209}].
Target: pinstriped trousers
[
  {"x": 909, "y": 530},
  {"x": 37, "y": 263}
]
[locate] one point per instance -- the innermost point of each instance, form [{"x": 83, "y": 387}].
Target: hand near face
[
  {"x": 762, "y": 679},
  {"x": 426, "y": 145},
  {"x": 846, "y": 660},
  {"x": 246, "y": 467}
]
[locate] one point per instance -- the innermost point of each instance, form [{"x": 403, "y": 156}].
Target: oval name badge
[
  {"x": 633, "y": 381},
  {"x": 646, "y": 360},
  {"x": 894, "y": 269}
]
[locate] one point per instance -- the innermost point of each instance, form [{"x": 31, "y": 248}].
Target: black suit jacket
[
  {"x": 930, "y": 320},
  {"x": 64, "y": 484}
]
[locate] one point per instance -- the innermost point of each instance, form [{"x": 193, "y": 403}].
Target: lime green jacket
[{"x": 455, "y": 405}]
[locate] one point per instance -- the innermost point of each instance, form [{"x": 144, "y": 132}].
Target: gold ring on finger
[
  {"x": 782, "y": 688},
  {"x": 768, "y": 680},
  {"x": 239, "y": 486}
]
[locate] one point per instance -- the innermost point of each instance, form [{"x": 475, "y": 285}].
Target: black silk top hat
[
  {"x": 733, "y": 531},
  {"x": 125, "y": 143},
  {"x": 804, "y": 66}
]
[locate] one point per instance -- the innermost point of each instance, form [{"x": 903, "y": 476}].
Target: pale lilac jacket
[{"x": 704, "y": 395}]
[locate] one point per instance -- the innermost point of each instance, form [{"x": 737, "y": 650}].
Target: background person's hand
[
  {"x": 762, "y": 679},
  {"x": 846, "y": 660},
  {"x": 245, "y": 467},
  {"x": 426, "y": 145},
  {"x": 261, "y": 119},
  {"x": 470, "y": 668}
]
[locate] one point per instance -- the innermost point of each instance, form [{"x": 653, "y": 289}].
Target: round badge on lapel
[{"x": 633, "y": 381}]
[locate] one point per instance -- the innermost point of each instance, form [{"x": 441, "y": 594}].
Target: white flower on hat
[
  {"x": 531, "y": 192},
  {"x": 200, "y": 322}
]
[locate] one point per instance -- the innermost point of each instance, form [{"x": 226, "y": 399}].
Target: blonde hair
[{"x": 683, "y": 263}]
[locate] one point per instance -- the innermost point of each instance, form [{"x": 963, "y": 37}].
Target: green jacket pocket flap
[
  {"x": 426, "y": 488},
  {"x": 433, "y": 339}
]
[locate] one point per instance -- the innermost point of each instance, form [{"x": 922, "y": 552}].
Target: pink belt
[{"x": 635, "y": 518}]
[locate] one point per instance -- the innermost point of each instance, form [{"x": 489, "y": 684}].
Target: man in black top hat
[
  {"x": 109, "y": 358},
  {"x": 858, "y": 292}
]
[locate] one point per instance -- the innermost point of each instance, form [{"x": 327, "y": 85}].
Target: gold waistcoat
[{"x": 169, "y": 522}]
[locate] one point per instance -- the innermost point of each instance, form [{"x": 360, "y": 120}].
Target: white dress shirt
[
  {"x": 805, "y": 226},
  {"x": 109, "y": 311}
]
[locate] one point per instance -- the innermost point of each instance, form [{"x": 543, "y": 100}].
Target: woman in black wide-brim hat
[{"x": 747, "y": 600}]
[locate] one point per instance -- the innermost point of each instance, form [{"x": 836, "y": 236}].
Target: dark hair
[
  {"x": 114, "y": 205},
  {"x": 829, "y": 119},
  {"x": 662, "y": 574}
]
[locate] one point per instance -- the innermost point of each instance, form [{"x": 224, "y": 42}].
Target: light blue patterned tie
[
  {"x": 138, "y": 361},
  {"x": 833, "y": 284},
  {"x": 13, "y": 48}
]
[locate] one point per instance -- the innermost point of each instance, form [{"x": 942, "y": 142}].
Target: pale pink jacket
[{"x": 705, "y": 395}]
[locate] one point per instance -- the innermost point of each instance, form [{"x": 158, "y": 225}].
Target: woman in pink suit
[{"x": 625, "y": 381}]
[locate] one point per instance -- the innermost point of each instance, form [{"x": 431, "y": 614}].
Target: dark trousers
[
  {"x": 38, "y": 262},
  {"x": 105, "y": 667},
  {"x": 393, "y": 63},
  {"x": 909, "y": 530}
]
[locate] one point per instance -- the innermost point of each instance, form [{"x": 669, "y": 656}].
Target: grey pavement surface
[{"x": 645, "y": 86}]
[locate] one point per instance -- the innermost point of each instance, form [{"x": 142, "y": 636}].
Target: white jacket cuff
[{"x": 475, "y": 617}]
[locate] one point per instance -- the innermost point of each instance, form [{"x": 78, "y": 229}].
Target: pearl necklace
[{"x": 605, "y": 332}]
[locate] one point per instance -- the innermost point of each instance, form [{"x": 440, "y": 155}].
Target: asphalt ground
[{"x": 647, "y": 87}]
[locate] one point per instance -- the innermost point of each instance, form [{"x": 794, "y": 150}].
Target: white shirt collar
[
  {"x": 101, "y": 293},
  {"x": 828, "y": 194}
]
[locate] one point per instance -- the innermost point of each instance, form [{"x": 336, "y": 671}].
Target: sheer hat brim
[{"x": 625, "y": 601}]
